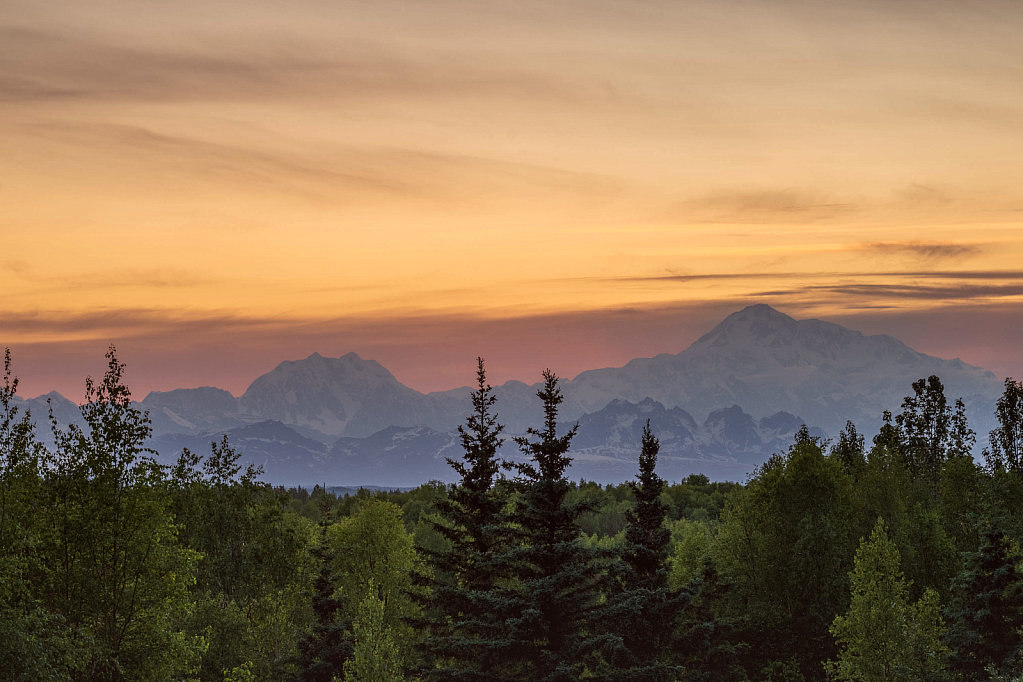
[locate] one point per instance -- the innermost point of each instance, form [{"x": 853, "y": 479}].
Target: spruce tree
[
  {"x": 462, "y": 606},
  {"x": 642, "y": 609},
  {"x": 986, "y": 612},
  {"x": 324, "y": 652},
  {"x": 556, "y": 578}
]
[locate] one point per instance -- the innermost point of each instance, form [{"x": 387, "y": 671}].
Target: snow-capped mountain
[
  {"x": 730, "y": 397},
  {"x": 606, "y": 448},
  {"x": 346, "y": 395},
  {"x": 767, "y": 362}
]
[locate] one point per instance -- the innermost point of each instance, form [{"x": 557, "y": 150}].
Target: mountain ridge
[{"x": 753, "y": 365}]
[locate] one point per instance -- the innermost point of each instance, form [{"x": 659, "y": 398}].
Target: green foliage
[
  {"x": 256, "y": 570},
  {"x": 849, "y": 450},
  {"x": 930, "y": 432},
  {"x": 1006, "y": 442},
  {"x": 642, "y": 609},
  {"x": 786, "y": 546},
  {"x": 374, "y": 559},
  {"x": 113, "y": 570},
  {"x": 883, "y": 637},
  {"x": 379, "y": 656},
  {"x": 986, "y": 612},
  {"x": 692, "y": 542},
  {"x": 324, "y": 650},
  {"x": 556, "y": 578},
  {"x": 464, "y": 601}
]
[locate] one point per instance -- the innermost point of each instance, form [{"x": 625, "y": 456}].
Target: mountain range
[{"x": 719, "y": 407}]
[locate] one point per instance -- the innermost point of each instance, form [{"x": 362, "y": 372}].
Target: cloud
[
  {"x": 914, "y": 203},
  {"x": 683, "y": 277},
  {"x": 15, "y": 267},
  {"x": 917, "y": 292},
  {"x": 925, "y": 250},
  {"x": 41, "y": 65},
  {"x": 767, "y": 205},
  {"x": 335, "y": 171},
  {"x": 156, "y": 278}
]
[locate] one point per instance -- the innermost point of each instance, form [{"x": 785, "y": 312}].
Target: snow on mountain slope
[
  {"x": 766, "y": 361},
  {"x": 346, "y": 395},
  {"x": 757, "y": 364}
]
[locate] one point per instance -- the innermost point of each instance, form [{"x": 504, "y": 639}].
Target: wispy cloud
[
  {"x": 47, "y": 65},
  {"x": 916, "y": 292},
  {"x": 924, "y": 250},
  {"x": 768, "y": 205},
  {"x": 818, "y": 275},
  {"x": 334, "y": 172}
]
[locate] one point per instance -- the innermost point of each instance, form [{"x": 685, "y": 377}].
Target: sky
[{"x": 215, "y": 187}]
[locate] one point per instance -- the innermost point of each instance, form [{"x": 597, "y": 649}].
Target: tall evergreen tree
[
  {"x": 324, "y": 651},
  {"x": 661, "y": 633},
  {"x": 986, "y": 612},
  {"x": 642, "y": 607},
  {"x": 461, "y": 608},
  {"x": 556, "y": 578}
]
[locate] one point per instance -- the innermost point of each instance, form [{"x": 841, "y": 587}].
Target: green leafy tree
[
  {"x": 34, "y": 642},
  {"x": 931, "y": 431},
  {"x": 888, "y": 435},
  {"x": 113, "y": 569},
  {"x": 849, "y": 450},
  {"x": 1006, "y": 442},
  {"x": 374, "y": 559},
  {"x": 986, "y": 612},
  {"x": 883, "y": 637},
  {"x": 918, "y": 523},
  {"x": 785, "y": 547},
  {"x": 256, "y": 570},
  {"x": 379, "y": 655}
]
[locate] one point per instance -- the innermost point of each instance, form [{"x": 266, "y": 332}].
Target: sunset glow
[{"x": 215, "y": 187}]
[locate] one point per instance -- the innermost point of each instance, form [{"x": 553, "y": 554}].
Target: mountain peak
[
  {"x": 759, "y": 321},
  {"x": 761, "y": 313}
]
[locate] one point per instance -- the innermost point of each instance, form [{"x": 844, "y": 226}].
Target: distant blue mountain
[{"x": 726, "y": 401}]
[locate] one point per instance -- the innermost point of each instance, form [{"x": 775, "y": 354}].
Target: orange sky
[{"x": 219, "y": 186}]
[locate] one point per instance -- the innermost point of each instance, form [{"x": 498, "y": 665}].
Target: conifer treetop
[{"x": 549, "y": 452}]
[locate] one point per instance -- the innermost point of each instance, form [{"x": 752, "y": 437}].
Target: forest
[{"x": 896, "y": 558}]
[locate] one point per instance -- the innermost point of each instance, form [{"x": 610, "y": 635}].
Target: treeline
[{"x": 894, "y": 559}]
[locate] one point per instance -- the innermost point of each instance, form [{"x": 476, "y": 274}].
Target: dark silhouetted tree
[
  {"x": 556, "y": 578},
  {"x": 324, "y": 651},
  {"x": 1006, "y": 442},
  {"x": 463, "y": 610},
  {"x": 849, "y": 450},
  {"x": 986, "y": 612},
  {"x": 931, "y": 432},
  {"x": 642, "y": 610}
]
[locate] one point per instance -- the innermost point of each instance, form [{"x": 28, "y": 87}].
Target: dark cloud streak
[{"x": 925, "y": 250}]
